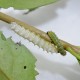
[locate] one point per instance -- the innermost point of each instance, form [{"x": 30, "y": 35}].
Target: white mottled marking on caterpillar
[{"x": 33, "y": 37}]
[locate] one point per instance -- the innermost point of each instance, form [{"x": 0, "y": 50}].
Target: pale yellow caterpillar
[{"x": 33, "y": 37}]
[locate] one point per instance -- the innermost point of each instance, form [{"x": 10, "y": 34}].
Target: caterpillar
[
  {"x": 57, "y": 42},
  {"x": 33, "y": 37}
]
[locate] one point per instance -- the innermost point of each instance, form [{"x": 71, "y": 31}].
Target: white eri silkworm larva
[{"x": 35, "y": 38}]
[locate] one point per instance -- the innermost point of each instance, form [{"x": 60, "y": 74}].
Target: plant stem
[
  {"x": 74, "y": 50},
  {"x": 9, "y": 19}
]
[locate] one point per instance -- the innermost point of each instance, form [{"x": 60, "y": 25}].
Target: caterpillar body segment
[{"x": 33, "y": 37}]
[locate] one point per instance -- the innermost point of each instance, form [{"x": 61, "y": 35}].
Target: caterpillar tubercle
[{"x": 33, "y": 37}]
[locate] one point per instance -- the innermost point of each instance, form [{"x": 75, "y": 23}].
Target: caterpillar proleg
[{"x": 33, "y": 37}]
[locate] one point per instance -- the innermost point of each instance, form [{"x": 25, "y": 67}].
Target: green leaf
[
  {"x": 16, "y": 61},
  {"x": 3, "y": 76},
  {"x": 24, "y": 4}
]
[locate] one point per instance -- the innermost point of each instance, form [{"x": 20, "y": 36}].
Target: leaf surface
[
  {"x": 16, "y": 61},
  {"x": 25, "y": 4}
]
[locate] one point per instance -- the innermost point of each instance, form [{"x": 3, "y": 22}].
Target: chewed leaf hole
[{"x": 25, "y": 67}]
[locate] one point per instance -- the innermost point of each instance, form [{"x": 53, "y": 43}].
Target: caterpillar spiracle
[{"x": 33, "y": 37}]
